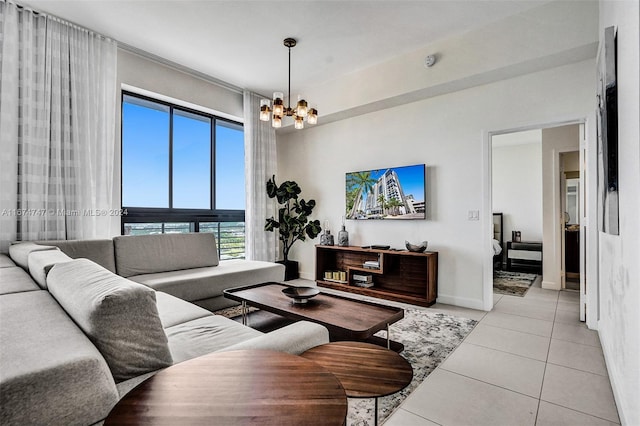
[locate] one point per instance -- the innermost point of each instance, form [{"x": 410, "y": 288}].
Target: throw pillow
[{"x": 119, "y": 316}]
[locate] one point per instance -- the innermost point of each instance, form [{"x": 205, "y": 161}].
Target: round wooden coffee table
[
  {"x": 236, "y": 388},
  {"x": 364, "y": 369}
]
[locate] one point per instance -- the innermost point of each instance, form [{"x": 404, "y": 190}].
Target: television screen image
[{"x": 395, "y": 193}]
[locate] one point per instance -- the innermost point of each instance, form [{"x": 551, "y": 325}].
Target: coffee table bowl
[{"x": 301, "y": 294}]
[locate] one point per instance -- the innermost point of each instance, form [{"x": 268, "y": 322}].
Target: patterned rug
[
  {"x": 512, "y": 283},
  {"x": 428, "y": 339}
]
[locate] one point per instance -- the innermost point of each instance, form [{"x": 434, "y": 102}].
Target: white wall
[
  {"x": 619, "y": 325},
  {"x": 517, "y": 189},
  {"x": 446, "y": 134}
]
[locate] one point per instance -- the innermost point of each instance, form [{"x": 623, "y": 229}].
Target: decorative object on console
[
  {"x": 280, "y": 110},
  {"x": 293, "y": 221},
  {"x": 516, "y": 236},
  {"x": 343, "y": 236},
  {"x": 391, "y": 193},
  {"x": 326, "y": 239},
  {"x": 416, "y": 248}
]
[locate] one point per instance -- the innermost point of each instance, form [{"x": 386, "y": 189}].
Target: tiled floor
[{"x": 530, "y": 361}]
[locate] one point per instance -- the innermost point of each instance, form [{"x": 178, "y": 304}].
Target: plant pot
[{"x": 291, "y": 269}]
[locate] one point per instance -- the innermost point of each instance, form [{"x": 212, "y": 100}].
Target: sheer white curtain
[
  {"x": 260, "y": 165},
  {"x": 57, "y": 121}
]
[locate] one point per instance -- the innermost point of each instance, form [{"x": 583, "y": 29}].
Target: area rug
[
  {"x": 428, "y": 339},
  {"x": 512, "y": 283}
]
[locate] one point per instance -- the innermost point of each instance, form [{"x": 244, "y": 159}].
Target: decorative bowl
[
  {"x": 416, "y": 248},
  {"x": 301, "y": 294}
]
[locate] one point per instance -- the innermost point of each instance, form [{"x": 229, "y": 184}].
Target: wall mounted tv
[{"x": 396, "y": 193}]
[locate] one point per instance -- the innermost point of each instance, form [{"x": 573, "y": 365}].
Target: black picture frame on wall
[{"x": 608, "y": 185}]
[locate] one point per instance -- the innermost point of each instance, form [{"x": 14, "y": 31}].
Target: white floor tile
[
  {"x": 575, "y": 333},
  {"x": 514, "y": 342},
  {"x": 578, "y": 390},
  {"x": 578, "y": 356},
  {"x": 569, "y": 296},
  {"x": 568, "y": 317},
  {"x": 554, "y": 415},
  {"x": 404, "y": 418},
  {"x": 541, "y": 294},
  {"x": 569, "y": 306},
  {"x": 519, "y": 323},
  {"x": 532, "y": 309},
  {"x": 450, "y": 399},
  {"x": 498, "y": 368}
]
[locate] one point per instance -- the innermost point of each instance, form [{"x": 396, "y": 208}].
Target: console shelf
[{"x": 403, "y": 276}]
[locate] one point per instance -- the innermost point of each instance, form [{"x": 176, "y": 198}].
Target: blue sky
[
  {"x": 412, "y": 179},
  {"x": 145, "y": 164}
]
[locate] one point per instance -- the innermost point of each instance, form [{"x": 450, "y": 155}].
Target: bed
[{"x": 498, "y": 241}]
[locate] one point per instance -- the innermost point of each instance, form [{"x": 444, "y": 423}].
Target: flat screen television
[{"x": 396, "y": 193}]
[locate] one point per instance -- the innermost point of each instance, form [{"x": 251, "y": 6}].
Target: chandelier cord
[{"x": 289, "y": 106}]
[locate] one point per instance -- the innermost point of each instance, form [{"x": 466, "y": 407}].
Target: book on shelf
[
  {"x": 371, "y": 264},
  {"x": 363, "y": 278},
  {"x": 363, "y": 284}
]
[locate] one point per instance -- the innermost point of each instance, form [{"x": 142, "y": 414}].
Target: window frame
[{"x": 171, "y": 214}]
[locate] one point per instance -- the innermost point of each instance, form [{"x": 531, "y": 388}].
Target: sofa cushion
[
  {"x": 205, "y": 335},
  {"x": 40, "y": 262},
  {"x": 174, "y": 311},
  {"x": 50, "y": 373},
  {"x": 19, "y": 252},
  {"x": 100, "y": 251},
  {"x": 14, "y": 280},
  {"x": 5, "y": 261},
  {"x": 118, "y": 315},
  {"x": 148, "y": 254},
  {"x": 203, "y": 283}
]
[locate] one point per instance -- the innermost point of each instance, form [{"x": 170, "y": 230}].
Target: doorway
[{"x": 557, "y": 139}]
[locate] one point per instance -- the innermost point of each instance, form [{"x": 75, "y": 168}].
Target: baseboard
[
  {"x": 617, "y": 393},
  {"x": 550, "y": 285},
  {"x": 462, "y": 302},
  {"x": 307, "y": 276}
]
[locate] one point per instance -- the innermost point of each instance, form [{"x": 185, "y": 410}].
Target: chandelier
[{"x": 299, "y": 113}]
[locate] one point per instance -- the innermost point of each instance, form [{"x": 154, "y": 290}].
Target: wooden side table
[
  {"x": 364, "y": 369},
  {"x": 244, "y": 387}
]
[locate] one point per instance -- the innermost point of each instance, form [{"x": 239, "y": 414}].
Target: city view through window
[{"x": 182, "y": 171}]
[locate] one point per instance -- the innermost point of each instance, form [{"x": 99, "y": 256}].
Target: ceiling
[{"x": 240, "y": 42}]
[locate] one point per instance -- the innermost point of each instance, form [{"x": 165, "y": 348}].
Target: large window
[{"x": 182, "y": 171}]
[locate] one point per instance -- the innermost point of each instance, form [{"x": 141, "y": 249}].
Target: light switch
[{"x": 474, "y": 214}]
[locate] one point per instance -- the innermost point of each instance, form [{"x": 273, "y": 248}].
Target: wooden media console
[{"x": 402, "y": 276}]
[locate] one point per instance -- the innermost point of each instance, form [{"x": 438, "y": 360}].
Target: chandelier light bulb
[
  {"x": 312, "y": 116},
  {"x": 278, "y": 103},
  {"x": 301, "y": 108},
  {"x": 299, "y": 122},
  {"x": 277, "y": 121},
  {"x": 265, "y": 109}
]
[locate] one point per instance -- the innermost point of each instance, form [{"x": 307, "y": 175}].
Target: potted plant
[{"x": 293, "y": 221}]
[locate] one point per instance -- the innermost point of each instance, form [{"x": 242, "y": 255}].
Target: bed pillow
[{"x": 119, "y": 316}]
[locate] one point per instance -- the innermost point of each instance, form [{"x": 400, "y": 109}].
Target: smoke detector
[{"x": 429, "y": 61}]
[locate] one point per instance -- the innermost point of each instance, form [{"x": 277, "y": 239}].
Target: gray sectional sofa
[{"x": 75, "y": 336}]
